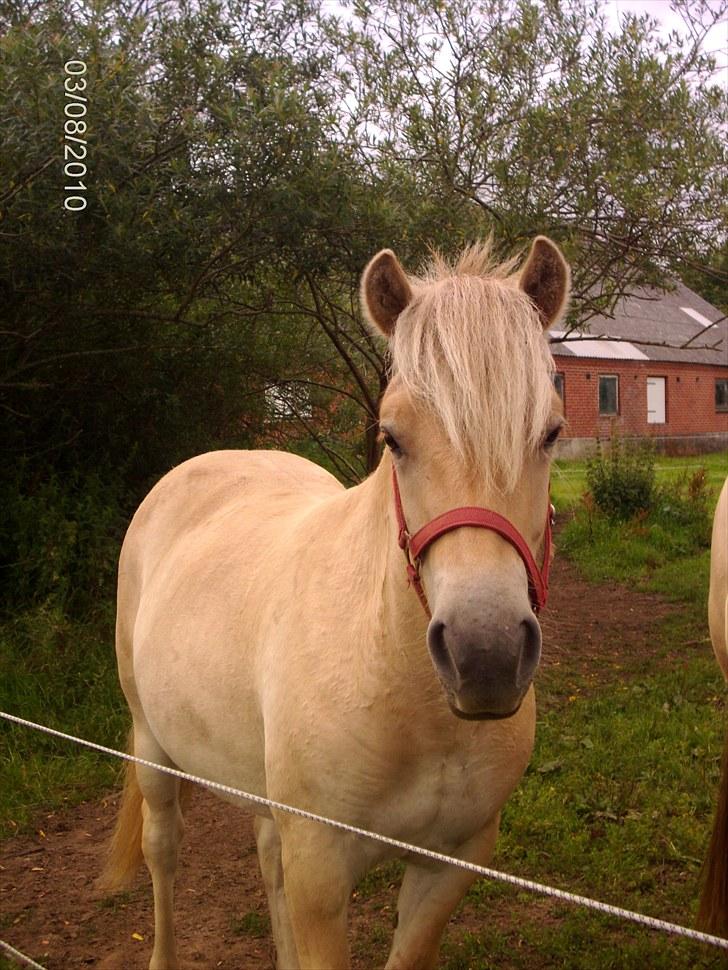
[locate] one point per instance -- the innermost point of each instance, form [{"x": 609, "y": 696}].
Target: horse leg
[
  {"x": 319, "y": 877},
  {"x": 429, "y": 894},
  {"x": 271, "y": 867},
  {"x": 161, "y": 835}
]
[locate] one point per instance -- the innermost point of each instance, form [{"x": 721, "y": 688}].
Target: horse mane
[{"x": 470, "y": 346}]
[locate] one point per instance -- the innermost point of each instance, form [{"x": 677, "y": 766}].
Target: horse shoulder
[{"x": 202, "y": 518}]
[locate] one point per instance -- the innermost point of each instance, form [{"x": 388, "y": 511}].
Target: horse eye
[
  {"x": 550, "y": 440},
  {"x": 391, "y": 443}
]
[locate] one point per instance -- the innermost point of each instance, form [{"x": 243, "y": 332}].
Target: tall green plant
[{"x": 621, "y": 479}]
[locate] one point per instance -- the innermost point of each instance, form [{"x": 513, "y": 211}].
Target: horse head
[{"x": 470, "y": 419}]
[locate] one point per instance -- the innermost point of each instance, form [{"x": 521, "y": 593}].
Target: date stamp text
[{"x": 75, "y": 145}]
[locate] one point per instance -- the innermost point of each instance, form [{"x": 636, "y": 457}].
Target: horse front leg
[
  {"x": 429, "y": 894},
  {"x": 319, "y": 873}
]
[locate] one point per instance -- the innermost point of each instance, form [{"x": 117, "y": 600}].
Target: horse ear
[
  {"x": 385, "y": 291},
  {"x": 545, "y": 279}
]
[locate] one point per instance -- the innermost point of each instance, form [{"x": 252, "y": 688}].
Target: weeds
[
  {"x": 253, "y": 924},
  {"x": 622, "y": 481},
  {"x": 653, "y": 545},
  {"x": 62, "y": 673}
]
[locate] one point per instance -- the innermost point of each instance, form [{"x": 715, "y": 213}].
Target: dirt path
[{"x": 50, "y": 909}]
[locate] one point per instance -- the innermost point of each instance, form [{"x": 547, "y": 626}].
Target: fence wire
[
  {"x": 18, "y": 957},
  {"x": 529, "y": 885}
]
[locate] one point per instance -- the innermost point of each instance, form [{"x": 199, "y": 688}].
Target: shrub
[
  {"x": 622, "y": 481},
  {"x": 685, "y": 503},
  {"x": 59, "y": 540}
]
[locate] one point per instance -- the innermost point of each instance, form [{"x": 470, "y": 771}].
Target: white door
[{"x": 655, "y": 400}]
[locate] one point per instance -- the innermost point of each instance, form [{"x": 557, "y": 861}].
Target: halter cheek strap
[{"x": 415, "y": 546}]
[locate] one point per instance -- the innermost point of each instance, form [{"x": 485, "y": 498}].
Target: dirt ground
[{"x": 50, "y": 910}]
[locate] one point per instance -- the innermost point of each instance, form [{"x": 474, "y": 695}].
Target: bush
[
  {"x": 665, "y": 546},
  {"x": 685, "y": 503},
  {"x": 59, "y": 540},
  {"x": 622, "y": 481}
]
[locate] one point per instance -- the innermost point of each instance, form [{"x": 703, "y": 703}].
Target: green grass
[
  {"x": 61, "y": 673},
  {"x": 252, "y": 924},
  {"x": 665, "y": 551},
  {"x": 618, "y": 778},
  {"x": 673, "y": 561}
]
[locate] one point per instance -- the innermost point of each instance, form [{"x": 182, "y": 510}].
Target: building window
[
  {"x": 608, "y": 395},
  {"x": 559, "y": 384},
  {"x": 721, "y": 395}
]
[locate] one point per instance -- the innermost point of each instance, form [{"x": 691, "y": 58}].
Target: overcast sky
[{"x": 716, "y": 42}]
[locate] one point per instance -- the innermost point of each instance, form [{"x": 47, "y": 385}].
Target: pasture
[
  {"x": 191, "y": 191},
  {"x": 616, "y": 803}
]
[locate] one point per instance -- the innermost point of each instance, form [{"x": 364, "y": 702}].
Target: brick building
[{"x": 677, "y": 397}]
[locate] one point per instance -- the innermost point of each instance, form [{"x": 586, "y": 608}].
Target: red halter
[{"x": 415, "y": 546}]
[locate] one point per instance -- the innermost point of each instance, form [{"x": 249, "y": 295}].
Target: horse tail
[
  {"x": 125, "y": 849},
  {"x": 713, "y": 908}
]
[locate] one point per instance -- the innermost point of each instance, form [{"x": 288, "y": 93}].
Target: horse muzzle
[{"x": 485, "y": 670}]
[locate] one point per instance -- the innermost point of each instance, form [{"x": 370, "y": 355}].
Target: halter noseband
[{"x": 470, "y": 515}]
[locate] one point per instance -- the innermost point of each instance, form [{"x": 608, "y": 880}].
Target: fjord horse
[
  {"x": 269, "y": 636},
  {"x": 713, "y": 909}
]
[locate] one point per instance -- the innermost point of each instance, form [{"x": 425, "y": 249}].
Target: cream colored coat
[
  {"x": 267, "y": 639},
  {"x": 718, "y": 596}
]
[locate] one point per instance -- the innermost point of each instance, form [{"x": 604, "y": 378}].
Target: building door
[{"x": 655, "y": 400}]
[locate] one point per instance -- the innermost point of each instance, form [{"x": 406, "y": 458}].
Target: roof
[{"x": 653, "y": 315}]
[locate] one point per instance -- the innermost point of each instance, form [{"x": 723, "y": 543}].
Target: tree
[
  {"x": 246, "y": 160},
  {"x": 545, "y": 122},
  {"x": 120, "y": 323}
]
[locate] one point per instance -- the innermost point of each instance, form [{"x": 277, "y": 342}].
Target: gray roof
[{"x": 653, "y": 315}]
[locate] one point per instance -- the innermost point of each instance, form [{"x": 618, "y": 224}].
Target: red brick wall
[{"x": 689, "y": 397}]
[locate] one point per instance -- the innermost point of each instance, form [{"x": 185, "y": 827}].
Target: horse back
[{"x": 202, "y": 493}]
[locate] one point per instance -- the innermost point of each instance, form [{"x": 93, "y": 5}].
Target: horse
[
  {"x": 269, "y": 637},
  {"x": 713, "y": 907}
]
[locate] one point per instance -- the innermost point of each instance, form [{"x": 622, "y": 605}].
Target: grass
[
  {"x": 665, "y": 551},
  {"x": 619, "y": 778},
  {"x": 62, "y": 673},
  {"x": 646, "y": 551},
  {"x": 662, "y": 552},
  {"x": 252, "y": 923}
]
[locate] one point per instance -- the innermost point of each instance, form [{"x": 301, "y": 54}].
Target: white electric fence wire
[
  {"x": 528, "y": 884},
  {"x": 19, "y": 957}
]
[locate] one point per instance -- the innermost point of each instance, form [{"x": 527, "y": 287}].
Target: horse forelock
[{"x": 470, "y": 347}]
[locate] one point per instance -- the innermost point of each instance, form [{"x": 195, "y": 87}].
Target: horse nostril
[
  {"x": 441, "y": 656},
  {"x": 530, "y": 650}
]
